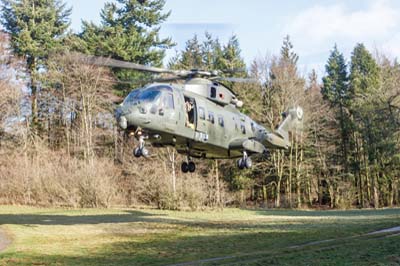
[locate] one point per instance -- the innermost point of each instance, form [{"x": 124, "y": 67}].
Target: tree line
[{"x": 59, "y": 144}]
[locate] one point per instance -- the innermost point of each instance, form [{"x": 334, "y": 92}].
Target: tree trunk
[
  {"x": 31, "y": 62},
  {"x": 217, "y": 186},
  {"x": 278, "y": 164},
  {"x": 344, "y": 138},
  {"x": 298, "y": 171},
  {"x": 265, "y": 196},
  {"x": 376, "y": 190},
  {"x": 173, "y": 172},
  {"x": 289, "y": 186},
  {"x": 396, "y": 195}
]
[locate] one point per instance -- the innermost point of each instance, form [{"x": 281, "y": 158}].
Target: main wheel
[
  {"x": 240, "y": 164},
  {"x": 192, "y": 167},
  {"x": 145, "y": 152},
  {"x": 248, "y": 163},
  {"x": 137, "y": 152},
  {"x": 185, "y": 167}
]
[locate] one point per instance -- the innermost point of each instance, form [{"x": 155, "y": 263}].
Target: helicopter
[{"x": 194, "y": 112}]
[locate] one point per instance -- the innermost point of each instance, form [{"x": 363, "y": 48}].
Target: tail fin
[{"x": 293, "y": 120}]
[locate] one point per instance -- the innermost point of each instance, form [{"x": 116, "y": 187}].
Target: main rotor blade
[
  {"x": 110, "y": 62},
  {"x": 233, "y": 70},
  {"x": 103, "y": 61},
  {"x": 144, "y": 81},
  {"x": 242, "y": 80}
]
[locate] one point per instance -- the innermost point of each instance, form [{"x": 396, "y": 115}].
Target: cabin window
[
  {"x": 211, "y": 117},
  {"x": 168, "y": 101},
  {"x": 213, "y": 93},
  {"x": 202, "y": 113},
  {"x": 253, "y": 127},
  {"x": 243, "y": 128},
  {"x": 236, "y": 124},
  {"x": 221, "y": 121}
]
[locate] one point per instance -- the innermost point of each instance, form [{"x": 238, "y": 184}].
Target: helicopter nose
[
  {"x": 132, "y": 117},
  {"x": 123, "y": 122},
  {"x": 118, "y": 113},
  {"x": 121, "y": 118}
]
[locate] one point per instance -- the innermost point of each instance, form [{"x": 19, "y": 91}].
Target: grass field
[{"x": 229, "y": 237}]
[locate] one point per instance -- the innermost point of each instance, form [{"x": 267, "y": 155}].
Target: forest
[{"x": 60, "y": 145}]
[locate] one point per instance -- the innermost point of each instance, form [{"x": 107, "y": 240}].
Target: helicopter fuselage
[
  {"x": 207, "y": 129},
  {"x": 199, "y": 117}
]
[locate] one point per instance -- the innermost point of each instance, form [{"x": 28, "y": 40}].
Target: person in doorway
[{"x": 188, "y": 108}]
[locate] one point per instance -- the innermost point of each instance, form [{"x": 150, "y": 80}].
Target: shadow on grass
[
  {"x": 73, "y": 219},
  {"x": 134, "y": 216}
]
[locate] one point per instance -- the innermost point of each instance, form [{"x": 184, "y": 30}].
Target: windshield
[
  {"x": 145, "y": 95},
  {"x": 132, "y": 96},
  {"x": 148, "y": 95}
]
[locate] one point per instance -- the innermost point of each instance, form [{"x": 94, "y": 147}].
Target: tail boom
[{"x": 280, "y": 138}]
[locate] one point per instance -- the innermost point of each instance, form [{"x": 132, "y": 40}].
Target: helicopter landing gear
[
  {"x": 188, "y": 166},
  {"x": 244, "y": 162},
  {"x": 141, "y": 149}
]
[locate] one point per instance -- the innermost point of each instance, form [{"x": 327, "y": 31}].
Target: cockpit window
[
  {"x": 149, "y": 94},
  {"x": 132, "y": 96}
]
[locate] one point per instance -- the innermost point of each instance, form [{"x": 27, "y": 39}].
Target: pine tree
[
  {"x": 369, "y": 135},
  {"x": 210, "y": 55},
  {"x": 335, "y": 89},
  {"x": 287, "y": 53},
  {"x": 364, "y": 72},
  {"x": 37, "y": 28},
  {"x": 231, "y": 55},
  {"x": 191, "y": 57},
  {"x": 129, "y": 31}
]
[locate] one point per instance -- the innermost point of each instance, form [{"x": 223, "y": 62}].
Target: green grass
[{"x": 153, "y": 237}]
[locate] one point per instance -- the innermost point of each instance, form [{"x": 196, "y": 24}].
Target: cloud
[
  {"x": 199, "y": 26},
  {"x": 391, "y": 48},
  {"x": 323, "y": 25}
]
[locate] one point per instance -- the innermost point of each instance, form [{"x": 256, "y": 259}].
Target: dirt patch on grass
[{"x": 388, "y": 230}]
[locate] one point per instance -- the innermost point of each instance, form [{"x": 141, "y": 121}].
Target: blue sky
[{"x": 314, "y": 26}]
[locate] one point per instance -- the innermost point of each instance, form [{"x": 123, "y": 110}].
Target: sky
[{"x": 314, "y": 26}]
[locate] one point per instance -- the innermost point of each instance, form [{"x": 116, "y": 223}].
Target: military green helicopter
[{"x": 194, "y": 112}]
